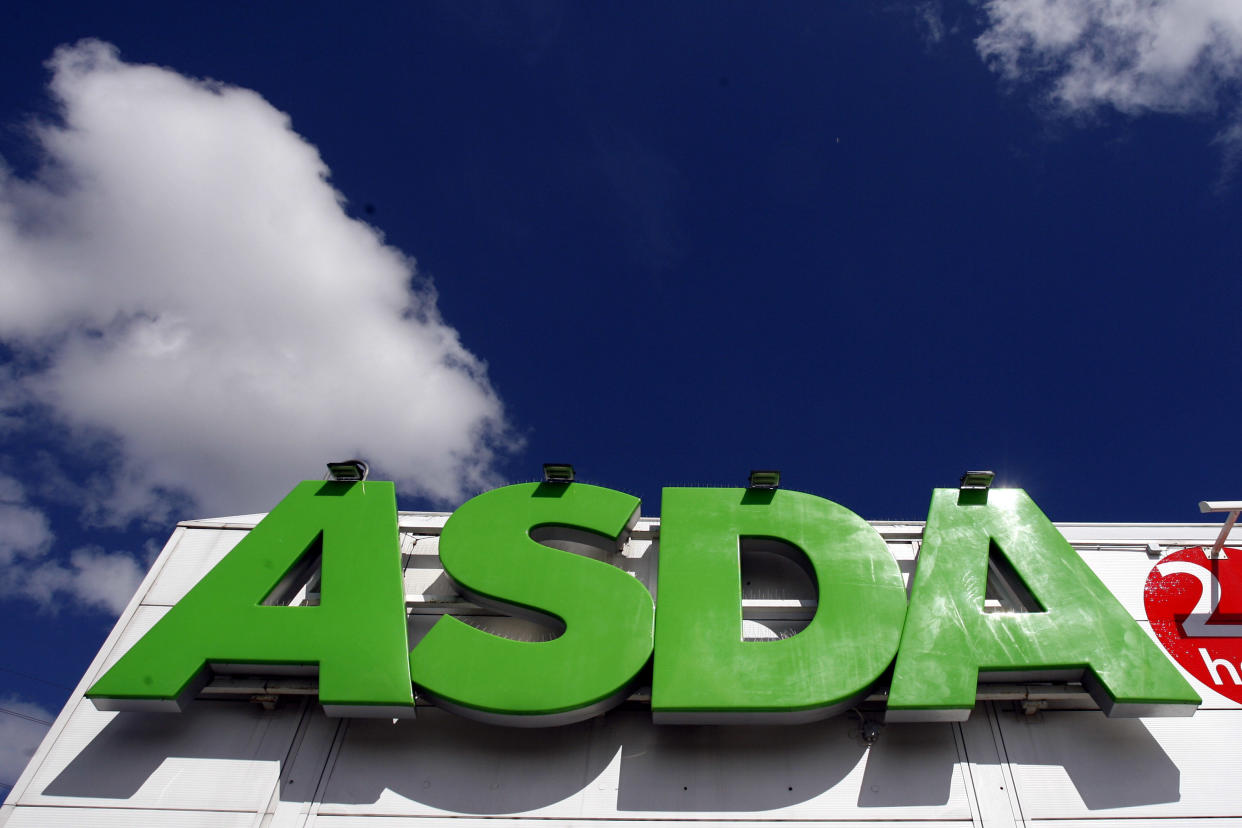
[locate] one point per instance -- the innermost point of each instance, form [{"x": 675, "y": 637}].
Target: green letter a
[
  {"x": 356, "y": 637},
  {"x": 1083, "y": 632}
]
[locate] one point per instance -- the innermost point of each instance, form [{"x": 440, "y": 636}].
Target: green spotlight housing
[
  {"x": 768, "y": 479},
  {"x": 558, "y": 473},
  {"x": 348, "y": 471},
  {"x": 977, "y": 481}
]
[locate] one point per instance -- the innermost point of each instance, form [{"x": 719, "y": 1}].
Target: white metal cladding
[{"x": 229, "y": 762}]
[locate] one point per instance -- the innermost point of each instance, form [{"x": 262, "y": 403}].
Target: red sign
[{"x": 1194, "y": 605}]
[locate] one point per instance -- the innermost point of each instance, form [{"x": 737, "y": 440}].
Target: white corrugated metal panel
[
  {"x": 906, "y": 553},
  {"x": 228, "y": 522},
  {"x": 1176, "y": 535},
  {"x": 620, "y": 765},
  {"x": 1206, "y": 822},
  {"x": 123, "y": 635},
  {"x": 639, "y": 557},
  {"x": 302, "y": 773},
  {"x": 422, "y": 521},
  {"x": 406, "y": 521},
  {"x": 1124, "y": 572},
  {"x": 424, "y": 576},
  {"x": 415, "y": 543},
  {"x": 1073, "y": 765},
  {"x": 989, "y": 781},
  {"x": 29, "y": 817},
  {"x": 189, "y": 560},
  {"x": 340, "y": 821},
  {"x": 215, "y": 755}
]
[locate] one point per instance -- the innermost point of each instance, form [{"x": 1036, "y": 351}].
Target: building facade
[{"x": 258, "y": 750}]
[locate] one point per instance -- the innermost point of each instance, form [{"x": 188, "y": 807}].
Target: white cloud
[
  {"x": 24, "y": 530},
  {"x": 19, "y": 738},
  {"x": 1136, "y": 56},
  {"x": 930, "y": 19},
  {"x": 195, "y": 290},
  {"x": 94, "y": 579}
]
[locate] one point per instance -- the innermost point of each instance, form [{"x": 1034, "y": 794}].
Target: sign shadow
[{"x": 1112, "y": 763}]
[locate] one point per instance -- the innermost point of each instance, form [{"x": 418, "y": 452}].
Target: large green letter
[
  {"x": 705, "y": 672},
  {"x": 356, "y": 636},
  {"x": 1082, "y": 632},
  {"x": 487, "y": 550}
]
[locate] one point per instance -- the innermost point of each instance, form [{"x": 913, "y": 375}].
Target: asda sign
[{"x": 933, "y": 650}]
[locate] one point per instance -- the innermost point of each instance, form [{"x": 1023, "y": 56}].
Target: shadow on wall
[
  {"x": 132, "y": 746},
  {"x": 898, "y": 772},
  {"x": 456, "y": 765},
  {"x": 1113, "y": 763},
  {"x": 450, "y": 764},
  {"x": 745, "y": 768},
  {"x": 766, "y": 768}
]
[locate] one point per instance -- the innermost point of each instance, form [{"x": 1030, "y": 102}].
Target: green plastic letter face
[
  {"x": 1083, "y": 632},
  {"x": 704, "y": 671},
  {"x": 356, "y": 636},
  {"x": 487, "y": 549}
]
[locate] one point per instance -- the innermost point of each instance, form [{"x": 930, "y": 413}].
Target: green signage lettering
[
  {"x": 1077, "y": 631},
  {"x": 705, "y": 672},
  {"x": 501, "y": 551},
  {"x": 355, "y": 638},
  {"x": 487, "y": 549}
]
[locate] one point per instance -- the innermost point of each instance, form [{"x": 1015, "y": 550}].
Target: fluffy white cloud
[
  {"x": 24, "y": 530},
  {"x": 93, "y": 578},
  {"x": 191, "y": 286},
  {"x": 1135, "y": 55},
  {"x": 19, "y": 737},
  {"x": 930, "y": 18}
]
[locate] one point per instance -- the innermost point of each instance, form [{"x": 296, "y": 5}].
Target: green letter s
[{"x": 487, "y": 549}]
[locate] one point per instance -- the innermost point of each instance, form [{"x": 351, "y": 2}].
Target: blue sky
[{"x": 870, "y": 244}]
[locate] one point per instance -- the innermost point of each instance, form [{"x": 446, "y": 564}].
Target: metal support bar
[
  {"x": 1224, "y": 533},
  {"x": 1233, "y": 507},
  {"x": 260, "y": 689}
]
